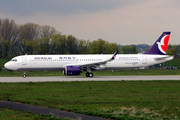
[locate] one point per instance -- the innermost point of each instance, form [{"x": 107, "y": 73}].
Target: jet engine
[{"x": 72, "y": 70}]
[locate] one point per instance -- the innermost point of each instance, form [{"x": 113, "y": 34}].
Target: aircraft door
[
  {"x": 24, "y": 60},
  {"x": 144, "y": 59},
  {"x": 77, "y": 60}
]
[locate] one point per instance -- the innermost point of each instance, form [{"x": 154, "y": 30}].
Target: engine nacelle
[{"x": 72, "y": 70}]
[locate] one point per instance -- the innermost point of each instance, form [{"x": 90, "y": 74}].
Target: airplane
[{"x": 75, "y": 64}]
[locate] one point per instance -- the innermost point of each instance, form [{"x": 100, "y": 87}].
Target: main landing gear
[
  {"x": 24, "y": 76},
  {"x": 89, "y": 74}
]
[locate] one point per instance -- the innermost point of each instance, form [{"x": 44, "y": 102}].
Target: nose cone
[{"x": 7, "y": 65}]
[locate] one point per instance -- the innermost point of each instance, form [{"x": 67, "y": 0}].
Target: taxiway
[{"x": 83, "y": 78}]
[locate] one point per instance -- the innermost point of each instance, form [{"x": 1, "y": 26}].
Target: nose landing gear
[{"x": 24, "y": 76}]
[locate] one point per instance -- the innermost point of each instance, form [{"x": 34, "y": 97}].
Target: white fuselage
[{"x": 59, "y": 62}]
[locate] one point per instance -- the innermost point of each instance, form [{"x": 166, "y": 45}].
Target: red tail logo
[{"x": 162, "y": 45}]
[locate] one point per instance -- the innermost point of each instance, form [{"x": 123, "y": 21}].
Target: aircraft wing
[{"x": 96, "y": 64}]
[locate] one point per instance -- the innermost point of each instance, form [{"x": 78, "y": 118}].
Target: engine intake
[{"x": 72, "y": 70}]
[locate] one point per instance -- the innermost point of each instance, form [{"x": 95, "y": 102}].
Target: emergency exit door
[
  {"x": 24, "y": 60},
  {"x": 144, "y": 59}
]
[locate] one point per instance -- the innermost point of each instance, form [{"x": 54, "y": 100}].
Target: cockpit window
[{"x": 14, "y": 60}]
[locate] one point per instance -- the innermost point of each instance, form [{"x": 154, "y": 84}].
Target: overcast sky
[{"x": 121, "y": 21}]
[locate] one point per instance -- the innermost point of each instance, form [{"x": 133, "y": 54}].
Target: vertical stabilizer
[{"x": 160, "y": 46}]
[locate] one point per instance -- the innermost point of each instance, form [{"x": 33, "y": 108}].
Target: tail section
[{"x": 160, "y": 46}]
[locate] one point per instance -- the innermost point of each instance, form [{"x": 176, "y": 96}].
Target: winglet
[{"x": 113, "y": 57}]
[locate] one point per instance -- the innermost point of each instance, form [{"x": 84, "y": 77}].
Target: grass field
[{"x": 115, "y": 99}]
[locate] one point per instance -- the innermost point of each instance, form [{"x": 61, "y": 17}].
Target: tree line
[{"x": 31, "y": 38}]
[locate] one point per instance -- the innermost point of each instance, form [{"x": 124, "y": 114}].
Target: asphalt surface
[{"x": 83, "y": 78}]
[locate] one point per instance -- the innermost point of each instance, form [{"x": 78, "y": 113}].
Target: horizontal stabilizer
[{"x": 163, "y": 58}]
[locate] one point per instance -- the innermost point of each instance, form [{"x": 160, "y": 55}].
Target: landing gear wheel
[
  {"x": 87, "y": 74},
  {"x": 90, "y": 74},
  {"x": 24, "y": 76}
]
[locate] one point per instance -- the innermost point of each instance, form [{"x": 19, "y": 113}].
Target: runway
[{"x": 83, "y": 78}]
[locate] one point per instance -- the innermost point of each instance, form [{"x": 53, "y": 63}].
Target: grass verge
[
  {"x": 96, "y": 73},
  {"x": 8, "y": 114}
]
